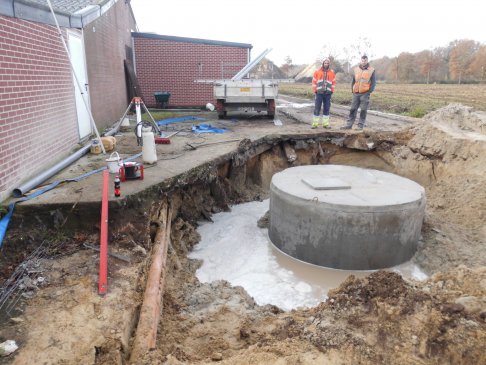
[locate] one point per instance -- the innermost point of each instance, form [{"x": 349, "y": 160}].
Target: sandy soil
[{"x": 380, "y": 319}]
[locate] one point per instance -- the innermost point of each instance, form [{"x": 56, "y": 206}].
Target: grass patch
[
  {"x": 3, "y": 210},
  {"x": 418, "y": 112},
  {"x": 159, "y": 115}
]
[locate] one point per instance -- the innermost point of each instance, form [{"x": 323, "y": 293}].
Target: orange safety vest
[
  {"x": 323, "y": 80},
  {"x": 362, "y": 80}
]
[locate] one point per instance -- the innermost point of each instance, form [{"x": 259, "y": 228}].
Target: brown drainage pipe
[{"x": 146, "y": 333}]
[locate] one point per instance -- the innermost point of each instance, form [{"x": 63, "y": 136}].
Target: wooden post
[
  {"x": 146, "y": 333},
  {"x": 289, "y": 152}
]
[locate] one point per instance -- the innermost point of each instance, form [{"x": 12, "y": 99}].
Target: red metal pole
[{"x": 103, "y": 280}]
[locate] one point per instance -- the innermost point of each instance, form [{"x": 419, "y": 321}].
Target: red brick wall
[
  {"x": 105, "y": 40},
  {"x": 38, "y": 122},
  {"x": 167, "y": 65}
]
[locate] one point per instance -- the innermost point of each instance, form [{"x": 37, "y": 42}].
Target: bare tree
[
  {"x": 362, "y": 47},
  {"x": 348, "y": 56},
  {"x": 287, "y": 66},
  {"x": 327, "y": 51}
]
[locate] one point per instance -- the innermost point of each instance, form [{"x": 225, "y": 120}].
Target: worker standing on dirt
[
  {"x": 323, "y": 84},
  {"x": 363, "y": 84}
]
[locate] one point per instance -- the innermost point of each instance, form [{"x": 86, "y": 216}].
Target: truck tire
[
  {"x": 271, "y": 108},
  {"x": 220, "y": 108}
]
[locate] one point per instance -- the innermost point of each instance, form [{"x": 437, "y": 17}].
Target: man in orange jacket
[
  {"x": 323, "y": 84},
  {"x": 363, "y": 84}
]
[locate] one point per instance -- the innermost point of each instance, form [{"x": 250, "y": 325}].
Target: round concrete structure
[{"x": 345, "y": 217}]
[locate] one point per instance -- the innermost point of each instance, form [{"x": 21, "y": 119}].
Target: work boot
[
  {"x": 346, "y": 127},
  {"x": 315, "y": 122},
  {"x": 325, "y": 122}
]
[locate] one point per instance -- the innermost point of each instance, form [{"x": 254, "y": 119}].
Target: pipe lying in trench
[{"x": 146, "y": 333}]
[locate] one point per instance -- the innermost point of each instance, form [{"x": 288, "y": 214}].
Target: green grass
[
  {"x": 414, "y": 100},
  {"x": 3, "y": 210},
  {"x": 159, "y": 115}
]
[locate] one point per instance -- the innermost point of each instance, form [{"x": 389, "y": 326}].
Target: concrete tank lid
[{"x": 348, "y": 186}]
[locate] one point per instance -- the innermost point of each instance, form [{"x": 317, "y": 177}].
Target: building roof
[
  {"x": 191, "y": 40},
  {"x": 69, "y": 13}
]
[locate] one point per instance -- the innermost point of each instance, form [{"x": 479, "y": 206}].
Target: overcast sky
[{"x": 300, "y": 29}]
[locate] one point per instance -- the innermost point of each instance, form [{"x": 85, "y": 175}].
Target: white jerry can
[{"x": 149, "y": 152}]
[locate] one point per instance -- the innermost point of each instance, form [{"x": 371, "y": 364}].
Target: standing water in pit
[{"x": 233, "y": 248}]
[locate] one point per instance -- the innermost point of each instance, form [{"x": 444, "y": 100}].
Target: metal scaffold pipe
[{"x": 250, "y": 66}]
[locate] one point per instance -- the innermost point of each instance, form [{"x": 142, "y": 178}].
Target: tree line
[{"x": 461, "y": 61}]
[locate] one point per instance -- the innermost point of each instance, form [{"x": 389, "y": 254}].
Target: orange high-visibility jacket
[
  {"x": 362, "y": 80},
  {"x": 323, "y": 81}
]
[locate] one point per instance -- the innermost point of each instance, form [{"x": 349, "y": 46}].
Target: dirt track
[{"x": 377, "y": 320}]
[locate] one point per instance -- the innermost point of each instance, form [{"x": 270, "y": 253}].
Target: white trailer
[{"x": 245, "y": 95}]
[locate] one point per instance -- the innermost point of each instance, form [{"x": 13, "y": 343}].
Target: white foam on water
[{"x": 233, "y": 248}]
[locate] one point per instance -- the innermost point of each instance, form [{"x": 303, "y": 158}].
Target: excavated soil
[{"x": 379, "y": 319}]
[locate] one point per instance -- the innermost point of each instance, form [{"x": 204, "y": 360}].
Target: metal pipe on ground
[
  {"x": 51, "y": 171},
  {"x": 29, "y": 185},
  {"x": 146, "y": 333}
]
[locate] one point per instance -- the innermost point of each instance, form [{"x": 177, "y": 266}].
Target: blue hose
[
  {"x": 180, "y": 119},
  {"x": 4, "y": 222}
]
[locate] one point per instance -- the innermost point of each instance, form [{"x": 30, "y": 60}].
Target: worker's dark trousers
[
  {"x": 320, "y": 100},
  {"x": 359, "y": 101}
]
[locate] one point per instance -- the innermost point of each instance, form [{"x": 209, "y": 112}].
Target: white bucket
[{"x": 113, "y": 163}]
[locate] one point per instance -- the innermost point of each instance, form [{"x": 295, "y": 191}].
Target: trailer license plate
[{"x": 244, "y": 89}]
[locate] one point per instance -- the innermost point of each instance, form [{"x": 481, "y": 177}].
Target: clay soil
[{"x": 379, "y": 319}]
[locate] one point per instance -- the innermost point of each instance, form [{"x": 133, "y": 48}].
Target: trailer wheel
[
  {"x": 271, "y": 108},
  {"x": 220, "y": 109}
]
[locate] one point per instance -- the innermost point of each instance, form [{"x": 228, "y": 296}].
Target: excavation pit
[
  {"x": 233, "y": 249},
  {"x": 216, "y": 318},
  {"x": 345, "y": 217}
]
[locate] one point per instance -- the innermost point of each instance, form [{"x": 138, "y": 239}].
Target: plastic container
[
  {"x": 125, "y": 125},
  {"x": 149, "y": 152},
  {"x": 113, "y": 163},
  {"x": 95, "y": 148},
  {"x": 162, "y": 98}
]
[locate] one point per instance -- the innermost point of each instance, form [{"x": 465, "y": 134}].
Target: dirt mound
[
  {"x": 380, "y": 319},
  {"x": 449, "y": 162},
  {"x": 459, "y": 120}
]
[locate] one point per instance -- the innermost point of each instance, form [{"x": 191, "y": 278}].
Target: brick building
[
  {"x": 42, "y": 116},
  {"x": 172, "y": 64}
]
